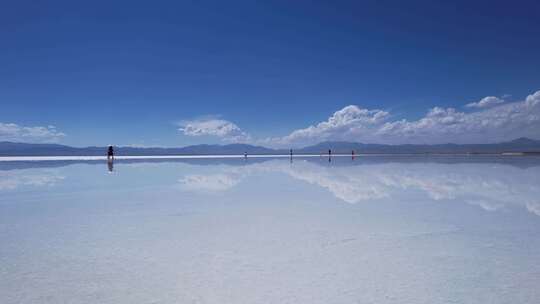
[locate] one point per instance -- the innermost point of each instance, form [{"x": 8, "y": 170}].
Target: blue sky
[{"x": 278, "y": 73}]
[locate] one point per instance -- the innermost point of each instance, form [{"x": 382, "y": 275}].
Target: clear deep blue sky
[{"x": 127, "y": 72}]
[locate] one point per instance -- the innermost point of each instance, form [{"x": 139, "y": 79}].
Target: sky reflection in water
[{"x": 381, "y": 229}]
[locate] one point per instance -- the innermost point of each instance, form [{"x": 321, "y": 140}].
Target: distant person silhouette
[
  {"x": 329, "y": 155},
  {"x": 352, "y": 154},
  {"x": 110, "y": 153},
  {"x": 291, "y": 154},
  {"x": 245, "y": 155}
]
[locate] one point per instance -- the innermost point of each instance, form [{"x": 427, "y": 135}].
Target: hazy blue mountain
[
  {"x": 26, "y": 149},
  {"x": 517, "y": 145}
]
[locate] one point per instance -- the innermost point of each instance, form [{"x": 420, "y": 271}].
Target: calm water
[{"x": 373, "y": 230}]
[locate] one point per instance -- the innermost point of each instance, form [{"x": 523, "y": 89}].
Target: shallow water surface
[{"x": 376, "y": 229}]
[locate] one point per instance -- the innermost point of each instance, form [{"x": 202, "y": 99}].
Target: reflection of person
[
  {"x": 110, "y": 165},
  {"x": 110, "y": 153}
]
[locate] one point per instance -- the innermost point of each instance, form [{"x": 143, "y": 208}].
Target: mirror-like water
[{"x": 375, "y": 229}]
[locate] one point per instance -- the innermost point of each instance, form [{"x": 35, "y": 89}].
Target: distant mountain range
[
  {"x": 338, "y": 147},
  {"x": 26, "y": 149},
  {"x": 518, "y": 145}
]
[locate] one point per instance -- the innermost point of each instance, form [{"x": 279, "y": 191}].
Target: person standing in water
[
  {"x": 329, "y": 155},
  {"x": 291, "y": 154},
  {"x": 110, "y": 153}
]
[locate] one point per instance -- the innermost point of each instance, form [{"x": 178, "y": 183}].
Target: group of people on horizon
[{"x": 110, "y": 154}]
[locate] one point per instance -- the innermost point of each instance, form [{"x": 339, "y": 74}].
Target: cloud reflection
[
  {"x": 212, "y": 183},
  {"x": 488, "y": 186},
  {"x": 10, "y": 180}
]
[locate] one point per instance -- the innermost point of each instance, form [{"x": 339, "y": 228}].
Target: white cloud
[
  {"x": 494, "y": 121},
  {"x": 221, "y": 128},
  {"x": 503, "y": 122},
  {"x": 440, "y": 125},
  {"x": 345, "y": 124},
  {"x": 14, "y": 132},
  {"x": 485, "y": 102}
]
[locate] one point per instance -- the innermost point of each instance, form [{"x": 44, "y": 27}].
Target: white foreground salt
[{"x": 271, "y": 231}]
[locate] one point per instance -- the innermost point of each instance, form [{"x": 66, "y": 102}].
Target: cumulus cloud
[
  {"x": 485, "y": 102},
  {"x": 221, "y": 128},
  {"x": 345, "y": 124},
  {"x": 15, "y": 132},
  {"x": 440, "y": 125},
  {"x": 503, "y": 122},
  {"x": 494, "y": 120}
]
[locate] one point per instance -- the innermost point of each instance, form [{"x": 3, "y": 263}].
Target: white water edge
[
  {"x": 88, "y": 157},
  {"x": 45, "y": 158}
]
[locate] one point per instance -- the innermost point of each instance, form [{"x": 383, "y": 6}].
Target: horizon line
[{"x": 261, "y": 146}]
